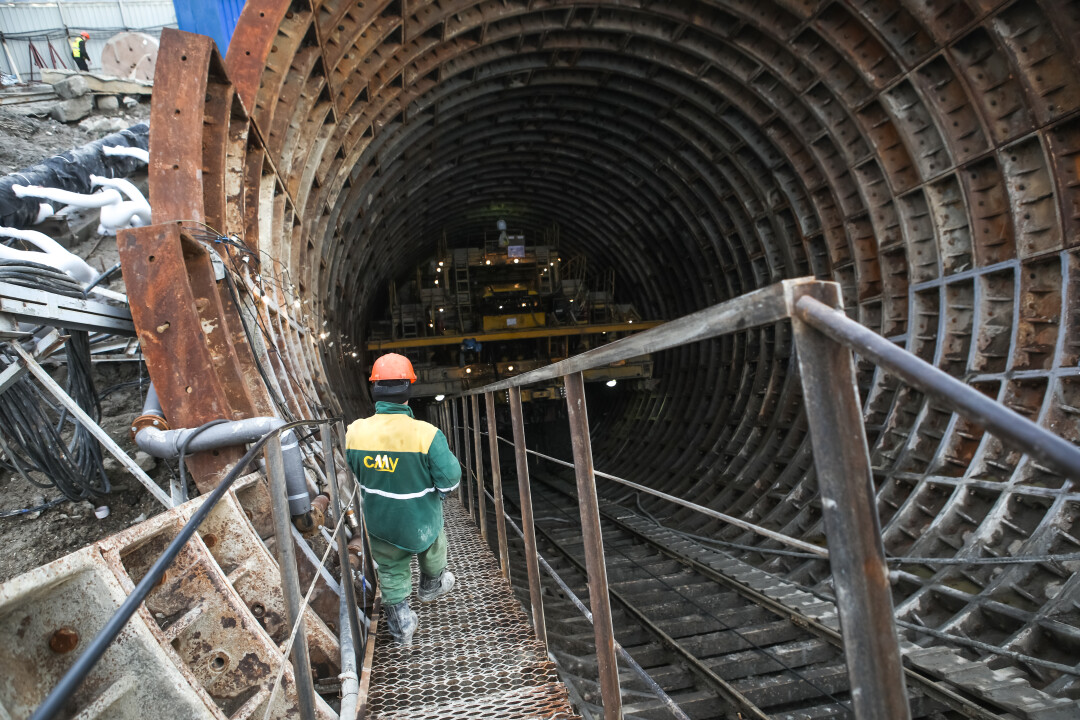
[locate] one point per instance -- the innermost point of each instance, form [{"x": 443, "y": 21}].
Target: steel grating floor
[{"x": 474, "y": 654}]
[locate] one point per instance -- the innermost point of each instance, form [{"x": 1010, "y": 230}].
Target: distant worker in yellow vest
[
  {"x": 78, "y": 51},
  {"x": 405, "y": 469}
]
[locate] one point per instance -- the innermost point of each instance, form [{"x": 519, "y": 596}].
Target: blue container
[{"x": 214, "y": 18}]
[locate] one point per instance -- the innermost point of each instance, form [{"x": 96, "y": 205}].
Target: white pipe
[
  {"x": 121, "y": 150},
  {"x": 125, "y": 186},
  {"x": 53, "y": 254},
  {"x": 66, "y": 197},
  {"x": 45, "y": 210},
  {"x": 133, "y": 212}
]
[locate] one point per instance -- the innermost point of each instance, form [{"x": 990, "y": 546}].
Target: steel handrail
[
  {"x": 75, "y": 675},
  {"x": 1008, "y": 425},
  {"x": 760, "y": 307},
  {"x": 824, "y": 340}
]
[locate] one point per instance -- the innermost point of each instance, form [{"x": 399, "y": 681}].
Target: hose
[{"x": 183, "y": 451}]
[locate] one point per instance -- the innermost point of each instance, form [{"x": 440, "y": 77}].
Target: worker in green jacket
[{"x": 405, "y": 469}]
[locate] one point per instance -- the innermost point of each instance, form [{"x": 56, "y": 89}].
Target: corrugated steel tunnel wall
[{"x": 925, "y": 154}]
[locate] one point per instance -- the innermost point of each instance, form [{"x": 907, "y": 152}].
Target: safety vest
[
  {"x": 76, "y": 47},
  {"x": 403, "y": 464}
]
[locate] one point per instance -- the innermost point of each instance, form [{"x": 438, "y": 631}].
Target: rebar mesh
[{"x": 474, "y": 654}]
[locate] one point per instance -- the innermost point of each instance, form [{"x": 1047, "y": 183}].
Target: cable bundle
[{"x": 31, "y": 439}]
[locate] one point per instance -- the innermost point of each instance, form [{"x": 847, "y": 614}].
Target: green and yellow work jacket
[{"x": 403, "y": 465}]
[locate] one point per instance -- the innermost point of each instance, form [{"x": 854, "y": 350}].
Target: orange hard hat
[
  {"x": 392, "y": 366},
  {"x": 85, "y": 35}
]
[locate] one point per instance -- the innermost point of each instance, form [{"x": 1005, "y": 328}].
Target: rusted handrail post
[
  {"x": 290, "y": 579},
  {"x": 856, "y": 554},
  {"x": 451, "y": 436},
  {"x": 599, "y": 602},
  {"x": 525, "y": 501},
  {"x": 466, "y": 447},
  {"x": 454, "y": 445},
  {"x": 478, "y": 460},
  {"x": 496, "y": 485}
]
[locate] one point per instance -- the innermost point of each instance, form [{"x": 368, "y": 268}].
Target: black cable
[
  {"x": 46, "y": 506},
  {"x": 183, "y": 451},
  {"x": 80, "y": 386},
  {"x": 69, "y": 683},
  {"x": 101, "y": 278},
  {"x": 32, "y": 443},
  {"x": 37, "y": 276},
  {"x": 121, "y": 386}
]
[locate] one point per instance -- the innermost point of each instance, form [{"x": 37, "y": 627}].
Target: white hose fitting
[{"x": 52, "y": 254}]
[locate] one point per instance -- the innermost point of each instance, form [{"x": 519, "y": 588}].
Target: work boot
[
  {"x": 433, "y": 587},
  {"x": 401, "y": 621}
]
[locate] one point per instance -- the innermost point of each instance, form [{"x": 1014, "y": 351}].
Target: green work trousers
[{"x": 395, "y": 570}]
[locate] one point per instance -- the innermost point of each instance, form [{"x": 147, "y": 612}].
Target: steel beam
[
  {"x": 496, "y": 485},
  {"x": 599, "y": 601},
  {"x": 527, "y": 525},
  {"x": 290, "y": 578},
  {"x": 46, "y": 308},
  {"x": 478, "y": 460},
  {"x": 856, "y": 555}
]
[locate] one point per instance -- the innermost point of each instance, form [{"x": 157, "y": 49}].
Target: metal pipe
[
  {"x": 479, "y": 462},
  {"x": 167, "y": 444},
  {"x": 152, "y": 405},
  {"x": 452, "y": 438},
  {"x": 856, "y": 553},
  {"x": 290, "y": 578},
  {"x": 350, "y": 681},
  {"x": 527, "y": 524},
  {"x": 466, "y": 447},
  {"x": 348, "y": 595},
  {"x": 593, "y": 537},
  {"x": 1009, "y": 426},
  {"x": 496, "y": 485}
]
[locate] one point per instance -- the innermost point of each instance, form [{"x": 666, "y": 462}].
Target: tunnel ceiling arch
[{"x": 924, "y": 154}]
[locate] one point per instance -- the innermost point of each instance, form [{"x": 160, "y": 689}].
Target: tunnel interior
[{"x": 923, "y": 154}]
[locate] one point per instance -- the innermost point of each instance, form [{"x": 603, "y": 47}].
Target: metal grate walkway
[{"x": 474, "y": 654}]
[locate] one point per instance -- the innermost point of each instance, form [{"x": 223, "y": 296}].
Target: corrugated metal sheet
[
  {"x": 42, "y": 23},
  {"x": 214, "y": 18}
]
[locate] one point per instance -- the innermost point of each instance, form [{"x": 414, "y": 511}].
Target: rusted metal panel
[
  {"x": 176, "y": 118},
  {"x": 156, "y": 262},
  {"x": 256, "y": 33}
]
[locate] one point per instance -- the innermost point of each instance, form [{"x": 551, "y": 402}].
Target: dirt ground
[
  {"x": 26, "y": 141},
  {"x": 30, "y": 540}
]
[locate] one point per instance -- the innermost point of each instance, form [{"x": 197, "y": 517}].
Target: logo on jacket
[{"x": 382, "y": 463}]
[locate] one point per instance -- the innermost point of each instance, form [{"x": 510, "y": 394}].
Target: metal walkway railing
[
  {"x": 824, "y": 340},
  {"x": 474, "y": 654}
]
